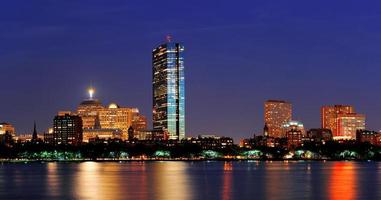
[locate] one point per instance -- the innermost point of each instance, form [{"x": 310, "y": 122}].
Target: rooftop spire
[{"x": 34, "y": 136}]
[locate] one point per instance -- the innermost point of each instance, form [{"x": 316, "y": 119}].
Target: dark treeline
[{"x": 125, "y": 150}]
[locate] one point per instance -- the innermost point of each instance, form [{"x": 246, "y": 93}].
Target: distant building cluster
[{"x": 338, "y": 122}]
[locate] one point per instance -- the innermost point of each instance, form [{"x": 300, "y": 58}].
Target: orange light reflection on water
[
  {"x": 342, "y": 181},
  {"x": 98, "y": 180},
  {"x": 53, "y": 180},
  {"x": 227, "y": 181},
  {"x": 172, "y": 181}
]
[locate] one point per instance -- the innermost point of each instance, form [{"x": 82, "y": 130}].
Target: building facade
[
  {"x": 295, "y": 133},
  {"x": 101, "y": 133},
  {"x": 109, "y": 120},
  {"x": 348, "y": 124},
  {"x": 329, "y": 116},
  {"x": 342, "y": 121},
  {"x": 67, "y": 129},
  {"x": 168, "y": 89},
  {"x": 88, "y": 110},
  {"x": 277, "y": 113},
  {"x": 372, "y": 137},
  {"x": 7, "y": 128},
  {"x": 320, "y": 134},
  {"x": 210, "y": 142}
]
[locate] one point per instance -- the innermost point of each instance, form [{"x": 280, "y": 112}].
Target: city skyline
[{"x": 270, "y": 61}]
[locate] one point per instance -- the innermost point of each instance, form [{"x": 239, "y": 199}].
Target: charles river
[{"x": 191, "y": 180}]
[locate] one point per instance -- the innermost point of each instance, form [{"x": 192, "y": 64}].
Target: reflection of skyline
[
  {"x": 276, "y": 184},
  {"x": 173, "y": 181},
  {"x": 184, "y": 180},
  {"x": 99, "y": 181},
  {"x": 343, "y": 181},
  {"x": 53, "y": 181},
  {"x": 227, "y": 181}
]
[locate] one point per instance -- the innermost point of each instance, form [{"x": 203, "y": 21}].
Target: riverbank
[{"x": 179, "y": 159}]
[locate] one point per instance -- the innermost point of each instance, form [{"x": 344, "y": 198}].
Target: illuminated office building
[
  {"x": 67, "y": 129},
  {"x": 348, "y": 124},
  {"x": 168, "y": 89},
  {"x": 101, "y": 133},
  {"x": 89, "y": 110},
  {"x": 277, "y": 113},
  {"x": 115, "y": 117},
  {"x": 342, "y": 121},
  {"x": 294, "y": 132},
  {"x": 329, "y": 116},
  {"x": 109, "y": 120}
]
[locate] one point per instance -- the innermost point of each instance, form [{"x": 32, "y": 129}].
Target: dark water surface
[{"x": 191, "y": 180}]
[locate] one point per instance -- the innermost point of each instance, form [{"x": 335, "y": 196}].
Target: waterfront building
[
  {"x": 7, "y": 128},
  {"x": 210, "y": 142},
  {"x": 329, "y": 116},
  {"x": 342, "y": 120},
  {"x": 6, "y": 139},
  {"x": 22, "y": 138},
  {"x": 111, "y": 118},
  {"x": 48, "y": 138},
  {"x": 320, "y": 134},
  {"x": 88, "y": 110},
  {"x": 101, "y": 133},
  {"x": 154, "y": 135},
  {"x": 131, "y": 134},
  {"x": 263, "y": 141},
  {"x": 372, "y": 137},
  {"x": 276, "y": 114},
  {"x": 67, "y": 129},
  {"x": 348, "y": 124},
  {"x": 295, "y": 133},
  {"x": 168, "y": 89},
  {"x": 115, "y": 117}
]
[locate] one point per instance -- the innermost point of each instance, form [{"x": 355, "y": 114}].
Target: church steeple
[
  {"x": 34, "y": 136},
  {"x": 266, "y": 130}
]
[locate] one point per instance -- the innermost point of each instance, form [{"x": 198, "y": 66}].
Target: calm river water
[{"x": 191, "y": 180}]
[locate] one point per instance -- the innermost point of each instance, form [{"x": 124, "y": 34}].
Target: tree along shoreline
[
  {"x": 122, "y": 151},
  {"x": 24, "y": 161}
]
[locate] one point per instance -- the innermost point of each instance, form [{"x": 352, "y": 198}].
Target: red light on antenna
[{"x": 168, "y": 38}]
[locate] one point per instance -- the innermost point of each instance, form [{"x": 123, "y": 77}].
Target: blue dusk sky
[{"x": 238, "y": 54}]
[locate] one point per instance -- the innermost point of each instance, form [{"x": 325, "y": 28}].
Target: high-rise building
[
  {"x": 342, "y": 121},
  {"x": 277, "y": 113},
  {"x": 168, "y": 89},
  {"x": 67, "y": 129},
  {"x": 329, "y": 116}
]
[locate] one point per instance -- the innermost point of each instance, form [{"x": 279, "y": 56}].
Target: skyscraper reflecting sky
[{"x": 168, "y": 89}]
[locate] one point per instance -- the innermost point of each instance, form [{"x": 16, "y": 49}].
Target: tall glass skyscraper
[{"x": 168, "y": 89}]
